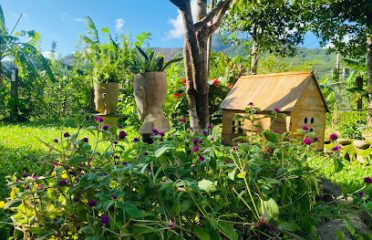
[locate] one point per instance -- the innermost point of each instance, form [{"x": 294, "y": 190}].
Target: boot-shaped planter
[
  {"x": 150, "y": 91},
  {"x": 106, "y": 97}
]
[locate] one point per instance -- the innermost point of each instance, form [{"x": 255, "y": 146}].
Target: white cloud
[
  {"x": 47, "y": 54},
  {"x": 177, "y": 30},
  {"x": 78, "y": 19},
  {"x": 119, "y": 24}
]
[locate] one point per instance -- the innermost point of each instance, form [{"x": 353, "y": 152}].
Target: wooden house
[{"x": 296, "y": 94}]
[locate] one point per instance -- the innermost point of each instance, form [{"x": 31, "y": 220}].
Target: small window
[
  {"x": 305, "y": 120},
  {"x": 237, "y": 127},
  {"x": 312, "y": 120},
  {"x": 311, "y": 130}
]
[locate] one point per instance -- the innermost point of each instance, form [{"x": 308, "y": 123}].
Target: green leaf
[
  {"x": 76, "y": 160},
  {"x": 270, "y": 209},
  {"x": 132, "y": 210},
  {"x": 159, "y": 152},
  {"x": 228, "y": 230},
  {"x": 288, "y": 226},
  {"x": 201, "y": 233},
  {"x": 232, "y": 174},
  {"x": 338, "y": 164},
  {"x": 270, "y": 136},
  {"x": 9, "y": 204},
  {"x": 207, "y": 185}
]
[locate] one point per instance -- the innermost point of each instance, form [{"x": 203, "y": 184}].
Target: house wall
[{"x": 310, "y": 110}]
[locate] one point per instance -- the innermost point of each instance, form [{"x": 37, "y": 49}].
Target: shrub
[{"x": 182, "y": 186}]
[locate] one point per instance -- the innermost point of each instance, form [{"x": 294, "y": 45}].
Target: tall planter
[
  {"x": 150, "y": 91},
  {"x": 106, "y": 97}
]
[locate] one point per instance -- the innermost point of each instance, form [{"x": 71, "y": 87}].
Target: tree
[
  {"x": 274, "y": 26},
  {"x": 347, "y": 24},
  {"x": 25, "y": 55},
  {"x": 196, "y": 55}
]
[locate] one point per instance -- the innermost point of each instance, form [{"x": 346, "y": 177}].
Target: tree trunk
[
  {"x": 254, "y": 52},
  {"x": 196, "y": 55},
  {"x": 359, "y": 87},
  {"x": 254, "y": 59},
  {"x": 369, "y": 73}
]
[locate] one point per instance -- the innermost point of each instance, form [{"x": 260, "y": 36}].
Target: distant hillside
[{"x": 318, "y": 60}]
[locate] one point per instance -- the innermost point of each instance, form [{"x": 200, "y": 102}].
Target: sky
[{"x": 62, "y": 20}]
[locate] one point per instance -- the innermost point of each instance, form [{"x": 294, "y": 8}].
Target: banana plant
[{"x": 26, "y": 55}]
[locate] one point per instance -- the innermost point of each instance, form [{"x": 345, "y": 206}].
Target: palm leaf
[
  {"x": 3, "y": 30},
  {"x": 142, "y": 53},
  {"x": 174, "y": 60},
  {"x": 92, "y": 30}
]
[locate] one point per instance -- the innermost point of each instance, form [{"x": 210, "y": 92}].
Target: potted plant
[
  {"x": 106, "y": 87},
  {"x": 150, "y": 89}
]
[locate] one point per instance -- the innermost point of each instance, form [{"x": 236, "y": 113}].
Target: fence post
[{"x": 14, "y": 90}]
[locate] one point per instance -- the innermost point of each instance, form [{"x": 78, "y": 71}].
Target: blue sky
[{"x": 61, "y": 20}]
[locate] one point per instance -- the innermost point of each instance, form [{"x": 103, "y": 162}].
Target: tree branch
[
  {"x": 181, "y": 4},
  {"x": 215, "y": 11},
  {"x": 217, "y": 22}
]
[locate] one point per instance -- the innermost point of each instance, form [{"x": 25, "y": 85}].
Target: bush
[{"x": 182, "y": 186}]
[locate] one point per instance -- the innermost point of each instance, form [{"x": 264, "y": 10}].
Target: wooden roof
[{"x": 268, "y": 91}]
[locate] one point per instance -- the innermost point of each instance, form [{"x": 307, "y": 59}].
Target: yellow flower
[{"x": 2, "y": 204}]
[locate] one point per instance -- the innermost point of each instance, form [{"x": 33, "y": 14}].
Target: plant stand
[{"x": 110, "y": 120}]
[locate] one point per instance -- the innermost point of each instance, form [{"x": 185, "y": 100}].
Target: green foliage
[
  {"x": 167, "y": 190},
  {"x": 147, "y": 61}
]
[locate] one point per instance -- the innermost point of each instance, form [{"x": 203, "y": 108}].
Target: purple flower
[
  {"x": 122, "y": 135},
  {"x": 85, "y": 140},
  {"x": 35, "y": 177},
  {"x": 276, "y": 109},
  {"x": 361, "y": 193},
  {"x": 307, "y": 141},
  {"x": 195, "y": 149},
  {"x": 120, "y": 126},
  {"x": 205, "y": 132},
  {"x": 114, "y": 196},
  {"x": 336, "y": 148},
  {"x": 201, "y": 159},
  {"x": 195, "y": 141},
  {"x": 155, "y": 131},
  {"x": 333, "y": 136},
  {"x": 210, "y": 126},
  {"x": 76, "y": 199},
  {"x": 92, "y": 203},
  {"x": 105, "y": 128},
  {"x": 125, "y": 163},
  {"x": 250, "y": 104},
  {"x": 305, "y": 128},
  {"x": 315, "y": 139},
  {"x": 55, "y": 140},
  {"x": 368, "y": 180},
  {"x": 136, "y": 139},
  {"x": 161, "y": 133},
  {"x": 105, "y": 219},
  {"x": 115, "y": 142},
  {"x": 62, "y": 182},
  {"x": 66, "y": 135},
  {"x": 116, "y": 157},
  {"x": 40, "y": 186},
  {"x": 24, "y": 175},
  {"x": 99, "y": 119},
  {"x": 183, "y": 120},
  {"x": 234, "y": 148}
]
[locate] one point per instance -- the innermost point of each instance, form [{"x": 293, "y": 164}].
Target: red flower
[
  {"x": 183, "y": 80},
  {"x": 215, "y": 82},
  {"x": 177, "y": 95}
]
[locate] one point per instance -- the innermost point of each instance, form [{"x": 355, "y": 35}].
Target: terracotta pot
[
  {"x": 150, "y": 91},
  {"x": 106, "y": 97}
]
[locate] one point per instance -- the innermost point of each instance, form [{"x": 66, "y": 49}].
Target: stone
[
  {"x": 361, "y": 144},
  {"x": 343, "y": 141},
  {"x": 329, "y": 190}
]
